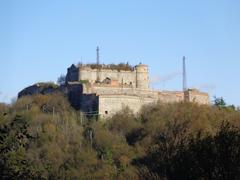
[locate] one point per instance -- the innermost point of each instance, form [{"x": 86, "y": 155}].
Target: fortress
[
  {"x": 103, "y": 90},
  {"x": 106, "y": 89}
]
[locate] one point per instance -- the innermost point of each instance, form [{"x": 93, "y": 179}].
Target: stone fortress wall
[
  {"x": 136, "y": 78},
  {"x": 107, "y": 91},
  {"x": 112, "y": 99},
  {"x": 110, "y": 104}
]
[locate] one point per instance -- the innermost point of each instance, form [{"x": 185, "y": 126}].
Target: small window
[{"x": 106, "y": 112}]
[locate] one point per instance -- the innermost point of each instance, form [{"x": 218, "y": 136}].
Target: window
[
  {"x": 106, "y": 112},
  {"x": 107, "y": 80}
]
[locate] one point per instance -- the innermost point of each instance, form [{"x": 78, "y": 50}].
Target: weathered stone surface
[
  {"x": 113, "y": 90},
  {"x": 137, "y": 77},
  {"x": 130, "y": 88}
]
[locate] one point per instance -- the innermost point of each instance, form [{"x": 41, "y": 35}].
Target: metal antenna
[
  {"x": 98, "y": 65},
  {"x": 97, "y": 55},
  {"x": 184, "y": 75}
]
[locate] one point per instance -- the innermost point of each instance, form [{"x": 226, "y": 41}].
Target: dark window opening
[
  {"x": 106, "y": 112},
  {"x": 107, "y": 80}
]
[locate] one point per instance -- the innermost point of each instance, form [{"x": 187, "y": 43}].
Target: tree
[
  {"x": 61, "y": 79},
  {"x": 219, "y": 102},
  {"x": 196, "y": 157},
  {"x": 41, "y": 138}
]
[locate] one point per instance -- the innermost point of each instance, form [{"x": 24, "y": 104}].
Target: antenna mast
[
  {"x": 184, "y": 75},
  {"x": 98, "y": 65},
  {"x": 97, "y": 55}
]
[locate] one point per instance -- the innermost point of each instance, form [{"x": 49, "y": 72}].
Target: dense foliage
[{"x": 42, "y": 137}]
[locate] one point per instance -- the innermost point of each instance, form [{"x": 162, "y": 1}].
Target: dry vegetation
[
  {"x": 42, "y": 137},
  {"x": 118, "y": 67}
]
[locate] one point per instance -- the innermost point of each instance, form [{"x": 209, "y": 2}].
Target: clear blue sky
[{"x": 39, "y": 39}]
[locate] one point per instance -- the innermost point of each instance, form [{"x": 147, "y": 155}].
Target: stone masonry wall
[
  {"x": 197, "y": 96},
  {"x": 131, "y": 89},
  {"x": 169, "y": 97},
  {"x": 125, "y": 77},
  {"x": 110, "y": 104},
  {"x": 112, "y": 99},
  {"x": 98, "y": 89}
]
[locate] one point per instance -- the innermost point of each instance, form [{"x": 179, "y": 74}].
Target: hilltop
[{"x": 43, "y": 137}]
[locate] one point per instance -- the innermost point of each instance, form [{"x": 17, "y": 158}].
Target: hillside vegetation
[{"x": 42, "y": 137}]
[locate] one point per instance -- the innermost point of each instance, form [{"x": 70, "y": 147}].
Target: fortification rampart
[
  {"x": 193, "y": 95},
  {"x": 99, "y": 90},
  {"x": 111, "y": 103},
  {"x": 137, "y": 77},
  {"x": 123, "y": 77},
  {"x": 107, "y": 89}
]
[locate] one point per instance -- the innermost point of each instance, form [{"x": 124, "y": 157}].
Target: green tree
[{"x": 219, "y": 102}]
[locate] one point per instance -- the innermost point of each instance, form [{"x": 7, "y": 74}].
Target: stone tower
[{"x": 142, "y": 78}]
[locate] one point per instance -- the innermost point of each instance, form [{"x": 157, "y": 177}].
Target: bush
[{"x": 41, "y": 138}]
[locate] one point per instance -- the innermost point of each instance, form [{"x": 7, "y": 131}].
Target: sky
[{"x": 40, "y": 39}]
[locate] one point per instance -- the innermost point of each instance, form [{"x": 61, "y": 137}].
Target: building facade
[
  {"x": 104, "y": 90},
  {"x": 136, "y": 77}
]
